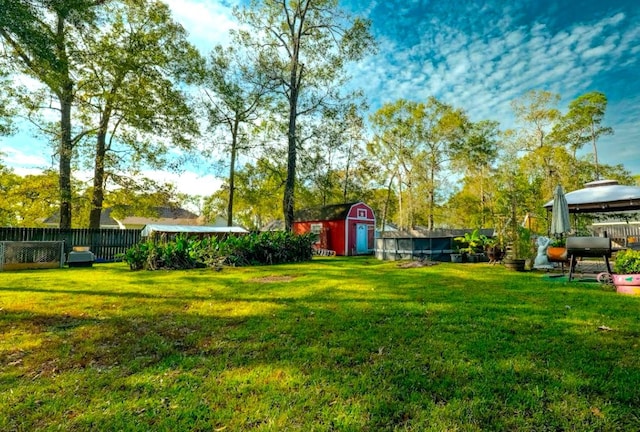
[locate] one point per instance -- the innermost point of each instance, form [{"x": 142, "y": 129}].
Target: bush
[
  {"x": 627, "y": 262},
  {"x": 252, "y": 249},
  {"x": 136, "y": 256}
]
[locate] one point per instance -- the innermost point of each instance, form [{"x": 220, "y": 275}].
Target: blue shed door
[{"x": 362, "y": 244}]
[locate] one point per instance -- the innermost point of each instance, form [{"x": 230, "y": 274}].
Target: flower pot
[
  {"x": 514, "y": 264},
  {"x": 456, "y": 258},
  {"x": 557, "y": 253},
  {"x": 627, "y": 283}
]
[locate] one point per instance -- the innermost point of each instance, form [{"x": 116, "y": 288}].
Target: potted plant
[
  {"x": 521, "y": 250},
  {"x": 557, "y": 250},
  {"x": 627, "y": 272},
  {"x": 472, "y": 244}
]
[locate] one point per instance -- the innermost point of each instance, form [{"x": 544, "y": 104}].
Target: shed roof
[
  {"x": 328, "y": 212},
  {"x": 189, "y": 229}
]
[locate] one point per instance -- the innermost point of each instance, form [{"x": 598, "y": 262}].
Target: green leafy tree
[
  {"x": 443, "y": 133},
  {"x": 42, "y": 38},
  {"x": 582, "y": 124},
  {"x": 258, "y": 187},
  {"x": 536, "y": 111},
  {"x": 236, "y": 94},
  {"x": 475, "y": 156},
  {"x": 27, "y": 200},
  {"x": 333, "y": 150},
  {"x": 130, "y": 95},
  {"x": 395, "y": 146},
  {"x": 305, "y": 46}
]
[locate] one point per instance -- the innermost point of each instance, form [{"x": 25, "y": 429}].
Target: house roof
[
  {"x": 274, "y": 225},
  {"x": 165, "y": 215},
  {"x": 328, "y": 212}
]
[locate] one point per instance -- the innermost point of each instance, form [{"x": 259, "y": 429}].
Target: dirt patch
[
  {"x": 413, "y": 264},
  {"x": 274, "y": 279}
]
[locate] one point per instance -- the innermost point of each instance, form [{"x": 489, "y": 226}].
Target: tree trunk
[
  {"x": 289, "y": 187},
  {"x": 65, "y": 154},
  {"x": 232, "y": 171},
  {"x": 432, "y": 198},
  {"x": 97, "y": 199},
  {"x": 385, "y": 210},
  {"x": 346, "y": 174},
  {"x": 595, "y": 150},
  {"x": 290, "y": 183},
  {"x": 98, "y": 180},
  {"x": 65, "y": 96}
]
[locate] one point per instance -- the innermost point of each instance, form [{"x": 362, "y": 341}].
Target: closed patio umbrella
[{"x": 559, "y": 213}]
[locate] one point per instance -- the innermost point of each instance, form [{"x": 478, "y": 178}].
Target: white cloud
[
  {"x": 207, "y": 21},
  {"x": 26, "y": 161}
]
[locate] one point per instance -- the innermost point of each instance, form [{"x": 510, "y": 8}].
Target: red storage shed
[{"x": 348, "y": 229}]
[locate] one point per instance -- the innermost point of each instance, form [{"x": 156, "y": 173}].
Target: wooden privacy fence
[
  {"x": 104, "y": 243},
  {"x": 623, "y": 235}
]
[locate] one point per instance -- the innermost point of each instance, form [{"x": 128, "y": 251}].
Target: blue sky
[
  {"x": 485, "y": 54},
  {"x": 476, "y": 55}
]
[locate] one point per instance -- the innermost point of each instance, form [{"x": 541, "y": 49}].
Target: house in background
[
  {"x": 274, "y": 225},
  {"x": 347, "y": 229},
  {"x": 162, "y": 215}
]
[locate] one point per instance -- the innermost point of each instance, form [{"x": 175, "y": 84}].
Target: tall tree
[
  {"x": 583, "y": 124},
  {"x": 25, "y": 200},
  {"x": 395, "y": 146},
  {"x": 475, "y": 156},
  {"x": 537, "y": 112},
  {"x": 443, "y": 133},
  {"x": 130, "y": 95},
  {"x": 235, "y": 94},
  {"x": 42, "y": 38},
  {"x": 258, "y": 187},
  {"x": 415, "y": 143},
  {"x": 332, "y": 150},
  {"x": 306, "y": 45}
]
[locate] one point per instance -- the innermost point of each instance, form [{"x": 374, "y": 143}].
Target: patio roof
[{"x": 602, "y": 196}]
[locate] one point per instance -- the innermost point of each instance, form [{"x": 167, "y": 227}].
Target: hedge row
[{"x": 253, "y": 249}]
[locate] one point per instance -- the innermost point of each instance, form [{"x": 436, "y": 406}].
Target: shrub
[
  {"x": 627, "y": 262},
  {"x": 136, "y": 256},
  {"x": 251, "y": 249}
]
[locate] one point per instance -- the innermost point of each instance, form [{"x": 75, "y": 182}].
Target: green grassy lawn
[{"x": 334, "y": 344}]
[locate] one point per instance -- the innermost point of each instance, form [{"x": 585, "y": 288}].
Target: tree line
[{"x": 122, "y": 90}]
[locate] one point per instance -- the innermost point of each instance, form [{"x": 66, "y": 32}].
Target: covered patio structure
[
  {"x": 607, "y": 196},
  {"x": 616, "y": 202}
]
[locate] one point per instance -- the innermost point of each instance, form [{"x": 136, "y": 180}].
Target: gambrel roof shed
[{"x": 347, "y": 229}]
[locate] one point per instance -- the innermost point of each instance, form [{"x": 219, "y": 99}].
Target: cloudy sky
[
  {"x": 485, "y": 54},
  {"x": 479, "y": 56}
]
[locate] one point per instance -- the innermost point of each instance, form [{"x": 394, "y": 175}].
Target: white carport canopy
[
  {"x": 190, "y": 229},
  {"x": 602, "y": 196}
]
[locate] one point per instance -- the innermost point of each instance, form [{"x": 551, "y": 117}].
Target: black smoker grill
[{"x": 580, "y": 247}]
